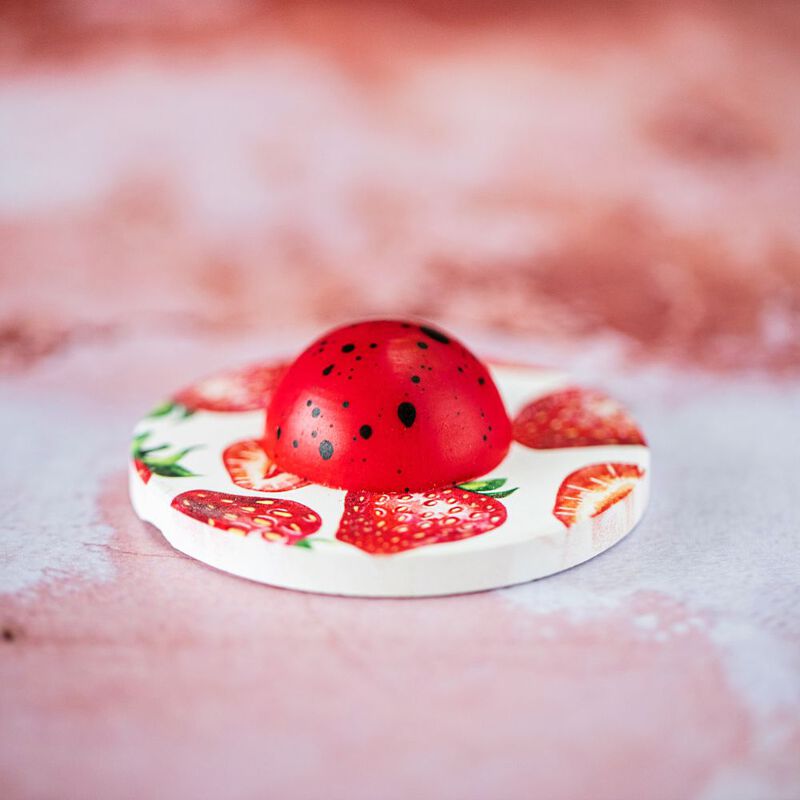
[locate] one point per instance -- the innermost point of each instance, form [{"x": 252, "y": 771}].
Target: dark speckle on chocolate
[
  {"x": 407, "y": 413},
  {"x": 437, "y": 336}
]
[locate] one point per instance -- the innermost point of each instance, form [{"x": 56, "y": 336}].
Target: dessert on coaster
[{"x": 388, "y": 460}]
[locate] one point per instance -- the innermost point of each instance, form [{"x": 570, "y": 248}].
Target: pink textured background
[{"x": 185, "y": 186}]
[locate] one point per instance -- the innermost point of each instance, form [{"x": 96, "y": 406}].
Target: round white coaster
[{"x": 571, "y": 491}]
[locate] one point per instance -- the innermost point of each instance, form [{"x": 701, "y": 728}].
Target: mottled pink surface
[{"x": 188, "y": 186}]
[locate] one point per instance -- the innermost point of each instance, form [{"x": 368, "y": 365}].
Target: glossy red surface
[{"x": 387, "y": 406}]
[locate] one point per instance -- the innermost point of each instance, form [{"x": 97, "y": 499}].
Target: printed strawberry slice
[
  {"x": 251, "y": 468},
  {"x": 245, "y": 389},
  {"x": 386, "y": 523},
  {"x": 575, "y": 418},
  {"x": 277, "y": 520},
  {"x": 590, "y": 491}
]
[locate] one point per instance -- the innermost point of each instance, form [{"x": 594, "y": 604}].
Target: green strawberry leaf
[
  {"x": 499, "y": 495},
  {"x": 171, "y": 471},
  {"x": 161, "y": 410},
  {"x": 168, "y": 466},
  {"x": 168, "y": 460},
  {"x": 303, "y": 543},
  {"x": 137, "y": 442},
  {"x": 483, "y": 486},
  {"x": 144, "y": 453},
  {"x": 165, "y": 409}
]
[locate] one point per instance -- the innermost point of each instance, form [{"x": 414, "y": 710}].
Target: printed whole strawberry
[
  {"x": 277, "y": 520},
  {"x": 590, "y": 491},
  {"x": 382, "y": 523},
  {"x": 387, "y": 406},
  {"x": 246, "y": 389},
  {"x": 575, "y": 418},
  {"x": 250, "y": 467}
]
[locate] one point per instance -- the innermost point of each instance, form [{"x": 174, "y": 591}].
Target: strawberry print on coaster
[{"x": 574, "y": 482}]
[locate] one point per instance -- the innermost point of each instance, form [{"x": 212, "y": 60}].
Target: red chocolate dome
[{"x": 387, "y": 406}]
